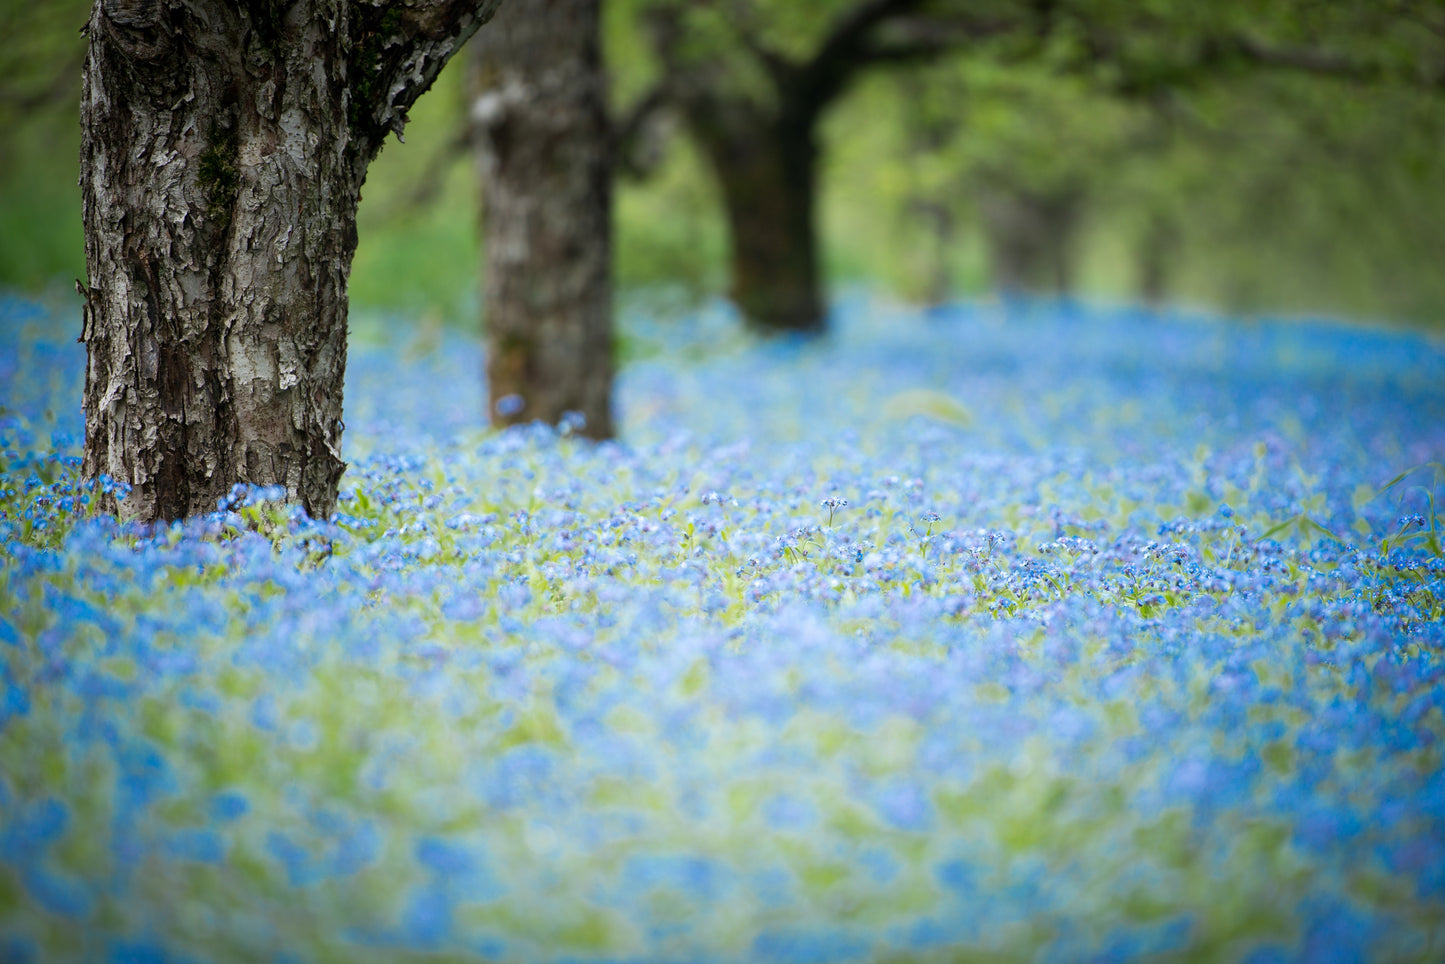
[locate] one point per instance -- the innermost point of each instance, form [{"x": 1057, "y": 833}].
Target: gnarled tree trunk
[
  {"x": 544, "y": 156},
  {"x": 224, "y": 147}
]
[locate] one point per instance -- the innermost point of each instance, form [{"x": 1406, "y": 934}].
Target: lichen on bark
[
  {"x": 220, "y": 177},
  {"x": 366, "y": 66},
  {"x": 216, "y": 173}
]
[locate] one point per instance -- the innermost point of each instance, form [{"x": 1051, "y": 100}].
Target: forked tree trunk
[
  {"x": 544, "y": 158},
  {"x": 754, "y": 111},
  {"x": 757, "y": 126},
  {"x": 224, "y": 147},
  {"x": 767, "y": 169},
  {"x": 762, "y": 148}
]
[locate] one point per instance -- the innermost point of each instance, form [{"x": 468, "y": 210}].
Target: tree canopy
[{"x": 1288, "y": 147}]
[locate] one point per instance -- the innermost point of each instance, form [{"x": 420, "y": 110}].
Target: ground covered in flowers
[{"x": 1043, "y": 634}]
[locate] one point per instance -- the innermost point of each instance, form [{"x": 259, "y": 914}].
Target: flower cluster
[{"x": 1143, "y": 659}]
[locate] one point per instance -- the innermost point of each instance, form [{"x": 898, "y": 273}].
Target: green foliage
[
  {"x": 722, "y": 40},
  {"x": 40, "y": 229},
  {"x": 1257, "y": 189},
  {"x": 669, "y": 235},
  {"x": 41, "y": 236},
  {"x": 1260, "y": 190},
  {"x": 42, "y": 73},
  {"x": 1316, "y": 196}
]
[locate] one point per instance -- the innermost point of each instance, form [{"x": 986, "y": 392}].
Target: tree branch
[
  {"x": 1304, "y": 59},
  {"x": 632, "y": 156},
  {"x": 920, "y": 39},
  {"x": 1212, "y": 53},
  {"x": 894, "y": 32},
  {"x": 1329, "y": 63},
  {"x": 399, "y": 50},
  {"x": 63, "y": 84},
  {"x": 741, "y": 17},
  {"x": 824, "y": 76},
  {"x": 1412, "y": 13},
  {"x": 852, "y": 29}
]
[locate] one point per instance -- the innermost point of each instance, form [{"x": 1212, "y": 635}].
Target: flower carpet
[{"x": 1054, "y": 633}]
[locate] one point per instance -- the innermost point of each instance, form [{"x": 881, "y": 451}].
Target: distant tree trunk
[
  {"x": 928, "y": 132},
  {"x": 761, "y": 140},
  {"x": 544, "y": 154},
  {"x": 937, "y": 278},
  {"x": 1158, "y": 249},
  {"x": 1030, "y": 238},
  {"x": 767, "y": 168},
  {"x": 223, "y": 150}
]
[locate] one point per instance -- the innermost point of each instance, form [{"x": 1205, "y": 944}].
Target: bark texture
[
  {"x": 224, "y": 145},
  {"x": 544, "y": 159}
]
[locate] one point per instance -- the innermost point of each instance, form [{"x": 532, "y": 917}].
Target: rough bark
[
  {"x": 544, "y": 158},
  {"x": 224, "y": 145}
]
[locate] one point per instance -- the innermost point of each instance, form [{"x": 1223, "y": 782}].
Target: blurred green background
[{"x": 1259, "y": 192}]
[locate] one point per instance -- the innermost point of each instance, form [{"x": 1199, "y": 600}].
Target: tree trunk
[
  {"x": 1158, "y": 250},
  {"x": 767, "y": 168},
  {"x": 223, "y": 149},
  {"x": 544, "y": 156},
  {"x": 938, "y": 225},
  {"x": 929, "y": 132},
  {"x": 1030, "y": 238},
  {"x": 754, "y": 113}
]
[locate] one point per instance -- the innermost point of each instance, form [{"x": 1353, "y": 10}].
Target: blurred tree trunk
[
  {"x": 758, "y": 130},
  {"x": 937, "y": 275},
  {"x": 1158, "y": 251},
  {"x": 544, "y": 154},
  {"x": 223, "y": 150},
  {"x": 767, "y": 168},
  {"x": 1030, "y": 237},
  {"x": 928, "y": 134}
]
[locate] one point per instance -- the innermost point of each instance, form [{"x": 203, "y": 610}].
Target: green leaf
[
  {"x": 929, "y": 404},
  {"x": 1276, "y": 530}
]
